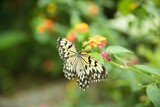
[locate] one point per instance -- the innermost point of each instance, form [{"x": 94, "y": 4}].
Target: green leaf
[
  {"x": 117, "y": 49},
  {"x": 12, "y": 38},
  {"x": 153, "y": 93},
  {"x": 148, "y": 69},
  {"x": 97, "y": 56}
]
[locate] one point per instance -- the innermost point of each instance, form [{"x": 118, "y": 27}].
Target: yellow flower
[
  {"x": 40, "y": 28},
  {"x": 97, "y": 41},
  {"x": 133, "y": 6},
  {"x": 51, "y": 8},
  {"x": 81, "y": 27}
]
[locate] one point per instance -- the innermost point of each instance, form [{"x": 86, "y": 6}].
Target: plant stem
[{"x": 133, "y": 69}]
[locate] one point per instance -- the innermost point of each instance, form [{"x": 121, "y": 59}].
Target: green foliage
[
  {"x": 117, "y": 49},
  {"x": 28, "y": 34},
  {"x": 154, "y": 94},
  {"x": 9, "y": 39}
]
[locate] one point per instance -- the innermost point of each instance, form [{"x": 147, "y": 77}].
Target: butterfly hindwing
[
  {"x": 94, "y": 69},
  {"x": 69, "y": 69},
  {"x": 83, "y": 81}
]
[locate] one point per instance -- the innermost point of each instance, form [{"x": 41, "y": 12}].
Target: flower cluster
[
  {"x": 78, "y": 28},
  {"x": 47, "y": 24},
  {"x": 97, "y": 41}
]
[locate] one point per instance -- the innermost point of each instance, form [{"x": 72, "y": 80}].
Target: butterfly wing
[
  {"x": 66, "y": 49},
  {"x": 83, "y": 66},
  {"x": 96, "y": 69},
  {"x": 89, "y": 70},
  {"x": 68, "y": 54},
  {"x": 69, "y": 68}
]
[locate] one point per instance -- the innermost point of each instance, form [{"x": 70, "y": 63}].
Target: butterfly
[{"x": 80, "y": 65}]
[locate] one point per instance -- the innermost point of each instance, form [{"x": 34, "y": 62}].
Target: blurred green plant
[{"x": 28, "y": 44}]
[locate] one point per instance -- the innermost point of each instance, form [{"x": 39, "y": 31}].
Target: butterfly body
[{"x": 79, "y": 65}]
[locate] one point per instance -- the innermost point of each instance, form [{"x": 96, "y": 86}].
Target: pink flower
[
  {"x": 105, "y": 55},
  {"x": 100, "y": 45}
]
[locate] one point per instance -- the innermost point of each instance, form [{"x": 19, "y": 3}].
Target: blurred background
[{"x": 31, "y": 70}]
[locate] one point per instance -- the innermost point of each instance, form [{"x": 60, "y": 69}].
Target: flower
[
  {"x": 93, "y": 9},
  {"x": 45, "y": 25},
  {"x": 51, "y": 8},
  {"x": 81, "y": 27},
  {"x": 48, "y": 23},
  {"x": 105, "y": 55},
  {"x": 97, "y": 41},
  {"x": 40, "y": 28},
  {"x": 133, "y": 6},
  {"x": 71, "y": 36}
]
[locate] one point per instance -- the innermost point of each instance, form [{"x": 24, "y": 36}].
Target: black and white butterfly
[{"x": 78, "y": 65}]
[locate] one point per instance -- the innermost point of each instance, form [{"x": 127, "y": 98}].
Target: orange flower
[
  {"x": 71, "y": 36},
  {"x": 93, "y": 9},
  {"x": 82, "y": 27},
  {"x": 48, "y": 23},
  {"x": 97, "y": 41}
]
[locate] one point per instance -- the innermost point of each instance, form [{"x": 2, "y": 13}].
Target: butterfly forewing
[
  {"x": 68, "y": 53},
  {"x": 86, "y": 68},
  {"x": 66, "y": 49}
]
